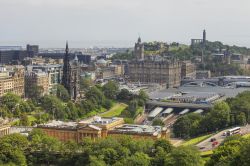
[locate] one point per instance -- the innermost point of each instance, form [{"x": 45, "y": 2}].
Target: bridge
[{"x": 220, "y": 81}]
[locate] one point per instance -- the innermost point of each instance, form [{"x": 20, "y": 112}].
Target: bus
[{"x": 233, "y": 131}]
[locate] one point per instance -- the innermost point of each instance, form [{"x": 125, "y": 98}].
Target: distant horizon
[{"x": 90, "y": 44}]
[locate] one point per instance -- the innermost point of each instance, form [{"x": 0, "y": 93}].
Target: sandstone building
[
  {"x": 12, "y": 80},
  {"x": 100, "y": 128}
]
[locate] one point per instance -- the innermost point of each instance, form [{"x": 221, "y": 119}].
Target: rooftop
[
  {"x": 99, "y": 120},
  {"x": 138, "y": 129}
]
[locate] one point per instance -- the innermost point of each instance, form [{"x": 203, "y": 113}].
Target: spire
[
  {"x": 139, "y": 39},
  {"x": 67, "y": 47}
]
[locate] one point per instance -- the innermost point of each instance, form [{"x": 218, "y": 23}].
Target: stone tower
[
  {"x": 70, "y": 79},
  {"x": 204, "y": 38},
  {"x": 139, "y": 49}
]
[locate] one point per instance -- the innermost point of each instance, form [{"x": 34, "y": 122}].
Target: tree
[
  {"x": 182, "y": 126},
  {"x": 124, "y": 94},
  {"x": 107, "y": 104},
  {"x": 62, "y": 93},
  {"x": 143, "y": 95},
  {"x": 142, "y": 98},
  {"x": 138, "y": 159},
  {"x": 225, "y": 154},
  {"x": 184, "y": 156},
  {"x": 34, "y": 92},
  {"x": 96, "y": 96},
  {"x": 132, "y": 107},
  {"x": 85, "y": 84},
  {"x": 244, "y": 153},
  {"x": 24, "y": 120},
  {"x": 12, "y": 149},
  {"x": 220, "y": 116},
  {"x": 111, "y": 89},
  {"x": 10, "y": 100},
  {"x": 53, "y": 106},
  {"x": 164, "y": 144},
  {"x": 158, "y": 122},
  {"x": 72, "y": 111},
  {"x": 24, "y": 107},
  {"x": 241, "y": 119}
]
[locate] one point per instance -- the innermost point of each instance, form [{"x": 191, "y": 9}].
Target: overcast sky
[{"x": 119, "y": 22}]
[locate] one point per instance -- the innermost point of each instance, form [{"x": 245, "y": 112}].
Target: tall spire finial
[{"x": 67, "y": 46}]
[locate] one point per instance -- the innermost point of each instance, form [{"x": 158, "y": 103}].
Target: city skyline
[{"x": 117, "y": 23}]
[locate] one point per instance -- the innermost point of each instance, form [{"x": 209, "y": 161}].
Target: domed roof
[{"x": 101, "y": 61}]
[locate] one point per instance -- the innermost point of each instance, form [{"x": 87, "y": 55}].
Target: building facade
[
  {"x": 36, "y": 78},
  {"x": 12, "y": 56},
  {"x": 202, "y": 74},
  {"x": 155, "y": 71},
  {"x": 4, "y": 130},
  {"x": 71, "y": 74},
  {"x": 101, "y": 128},
  {"x": 188, "y": 70},
  {"x": 32, "y": 50},
  {"x": 54, "y": 73},
  {"x": 12, "y": 80}
]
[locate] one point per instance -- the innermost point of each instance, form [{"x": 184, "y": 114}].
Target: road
[{"x": 206, "y": 145}]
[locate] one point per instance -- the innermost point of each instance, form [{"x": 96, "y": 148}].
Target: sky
[{"x": 118, "y": 23}]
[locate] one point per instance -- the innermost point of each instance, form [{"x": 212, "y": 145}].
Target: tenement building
[
  {"x": 12, "y": 80},
  {"x": 54, "y": 73},
  {"x": 98, "y": 127},
  {"x": 36, "y": 78}
]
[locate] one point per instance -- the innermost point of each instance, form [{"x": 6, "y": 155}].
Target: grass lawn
[
  {"x": 196, "y": 140},
  {"x": 116, "y": 110},
  {"x": 246, "y": 136},
  {"x": 207, "y": 153}
]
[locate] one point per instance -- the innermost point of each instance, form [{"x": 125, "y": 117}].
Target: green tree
[
  {"x": 124, "y": 95},
  {"x": 244, "y": 153},
  {"x": 24, "y": 107},
  {"x": 158, "y": 122},
  {"x": 62, "y": 93},
  {"x": 96, "y": 96},
  {"x": 182, "y": 126},
  {"x": 184, "y": 156},
  {"x": 34, "y": 92},
  {"x": 24, "y": 120},
  {"x": 241, "y": 119},
  {"x": 53, "y": 106},
  {"x": 10, "y": 100},
  {"x": 225, "y": 154},
  {"x": 138, "y": 159},
  {"x": 164, "y": 144},
  {"x": 12, "y": 149},
  {"x": 132, "y": 107},
  {"x": 110, "y": 89},
  {"x": 85, "y": 84}
]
